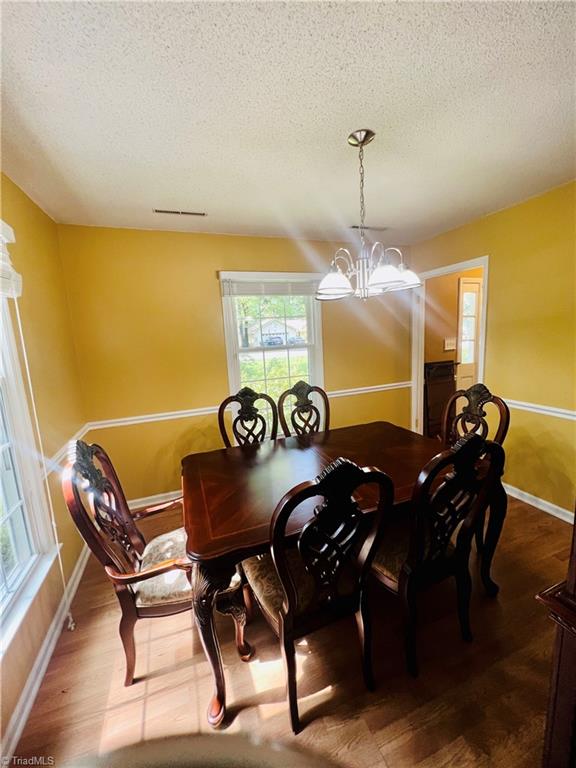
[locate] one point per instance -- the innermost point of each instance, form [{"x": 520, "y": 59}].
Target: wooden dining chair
[
  {"x": 472, "y": 418},
  {"x": 305, "y": 417},
  {"x": 432, "y": 541},
  {"x": 248, "y": 425},
  {"x": 151, "y": 579},
  {"x": 306, "y": 584}
]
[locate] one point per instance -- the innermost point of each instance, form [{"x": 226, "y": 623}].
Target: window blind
[{"x": 250, "y": 284}]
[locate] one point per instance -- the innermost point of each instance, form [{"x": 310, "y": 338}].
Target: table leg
[
  {"x": 498, "y": 504},
  {"x": 206, "y": 584}
]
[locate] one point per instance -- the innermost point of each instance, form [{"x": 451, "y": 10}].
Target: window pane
[
  {"x": 248, "y": 332},
  {"x": 272, "y": 306},
  {"x": 273, "y": 331},
  {"x": 276, "y": 365},
  {"x": 20, "y": 537},
  {"x": 295, "y": 306},
  {"x": 299, "y": 364},
  {"x": 469, "y": 303},
  {"x": 251, "y": 367},
  {"x": 468, "y": 328},
  {"x": 297, "y": 330},
  {"x": 275, "y": 387},
  {"x": 10, "y": 490},
  {"x": 467, "y": 355},
  {"x": 7, "y": 553}
]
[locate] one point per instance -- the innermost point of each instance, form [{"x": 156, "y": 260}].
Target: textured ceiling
[{"x": 242, "y": 110}]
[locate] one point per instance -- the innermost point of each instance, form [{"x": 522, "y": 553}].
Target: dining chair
[
  {"x": 150, "y": 579},
  {"x": 304, "y": 585},
  {"x": 472, "y": 418},
  {"x": 305, "y": 417},
  {"x": 248, "y": 425},
  {"x": 432, "y": 541}
]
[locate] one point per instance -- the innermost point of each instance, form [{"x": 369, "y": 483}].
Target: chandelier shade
[{"x": 371, "y": 276}]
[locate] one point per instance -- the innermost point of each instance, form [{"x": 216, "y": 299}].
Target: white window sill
[{"x": 17, "y": 608}]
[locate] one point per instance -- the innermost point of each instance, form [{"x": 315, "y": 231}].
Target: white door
[{"x": 469, "y": 310}]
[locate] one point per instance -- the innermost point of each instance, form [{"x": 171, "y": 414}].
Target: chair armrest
[
  {"x": 181, "y": 563},
  {"x": 139, "y": 514}
]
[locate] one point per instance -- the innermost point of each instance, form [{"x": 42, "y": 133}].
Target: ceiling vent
[{"x": 179, "y": 213}]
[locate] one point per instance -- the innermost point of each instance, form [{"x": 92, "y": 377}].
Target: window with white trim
[
  {"x": 24, "y": 520},
  {"x": 16, "y": 546},
  {"x": 273, "y": 330}
]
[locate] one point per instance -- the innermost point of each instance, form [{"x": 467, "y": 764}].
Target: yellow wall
[
  {"x": 530, "y": 349},
  {"x": 441, "y": 318},
  {"x": 121, "y": 323},
  {"x": 147, "y": 313},
  {"x": 46, "y": 324}
]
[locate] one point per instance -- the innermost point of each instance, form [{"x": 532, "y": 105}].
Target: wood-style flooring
[{"x": 480, "y": 704}]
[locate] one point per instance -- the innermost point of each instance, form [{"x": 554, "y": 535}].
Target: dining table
[{"x": 230, "y": 495}]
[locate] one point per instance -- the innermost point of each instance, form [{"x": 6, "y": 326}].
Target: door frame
[{"x": 418, "y": 331}]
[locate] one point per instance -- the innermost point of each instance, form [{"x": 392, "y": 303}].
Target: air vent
[
  {"x": 179, "y": 213},
  {"x": 370, "y": 229}
]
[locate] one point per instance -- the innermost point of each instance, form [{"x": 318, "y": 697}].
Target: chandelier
[{"x": 373, "y": 271}]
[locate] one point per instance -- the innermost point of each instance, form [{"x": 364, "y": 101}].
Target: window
[
  {"x": 273, "y": 333},
  {"x": 16, "y": 548},
  {"x": 24, "y": 520}
]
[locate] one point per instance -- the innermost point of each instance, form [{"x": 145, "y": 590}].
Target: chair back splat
[
  {"x": 453, "y": 490},
  {"x": 98, "y": 507},
  {"x": 305, "y": 417},
  {"x": 473, "y": 416},
  {"x": 248, "y": 426}
]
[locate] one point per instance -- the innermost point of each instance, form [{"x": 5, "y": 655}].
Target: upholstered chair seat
[
  {"x": 171, "y": 587},
  {"x": 262, "y": 576},
  {"x": 392, "y": 554}
]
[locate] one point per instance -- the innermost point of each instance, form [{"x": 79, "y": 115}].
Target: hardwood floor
[{"x": 479, "y": 704}]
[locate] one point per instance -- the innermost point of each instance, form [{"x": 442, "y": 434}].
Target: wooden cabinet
[{"x": 439, "y": 385}]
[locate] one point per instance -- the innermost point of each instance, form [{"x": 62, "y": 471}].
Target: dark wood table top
[{"x": 230, "y": 494}]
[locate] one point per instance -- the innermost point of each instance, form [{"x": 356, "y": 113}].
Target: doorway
[{"x": 448, "y": 338}]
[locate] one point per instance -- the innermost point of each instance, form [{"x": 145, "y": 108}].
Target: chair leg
[
  {"x": 248, "y": 601},
  {"x": 410, "y": 619},
  {"x": 364, "y": 624},
  {"x": 127, "y": 623},
  {"x": 479, "y": 533},
  {"x": 289, "y": 653},
  {"x": 464, "y": 590}
]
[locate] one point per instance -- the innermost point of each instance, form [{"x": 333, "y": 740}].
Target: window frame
[
  {"x": 28, "y": 465},
  {"x": 314, "y": 319}
]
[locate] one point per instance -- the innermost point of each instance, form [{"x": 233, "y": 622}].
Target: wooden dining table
[{"x": 230, "y": 496}]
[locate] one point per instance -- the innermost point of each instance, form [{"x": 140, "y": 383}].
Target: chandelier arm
[
  {"x": 395, "y": 250},
  {"x": 343, "y": 254}
]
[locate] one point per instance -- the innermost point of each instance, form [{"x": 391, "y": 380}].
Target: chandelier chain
[{"x": 362, "y": 206}]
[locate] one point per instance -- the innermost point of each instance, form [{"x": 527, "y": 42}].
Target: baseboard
[
  {"x": 150, "y": 501},
  {"x": 535, "y": 501},
  {"x": 14, "y": 729}
]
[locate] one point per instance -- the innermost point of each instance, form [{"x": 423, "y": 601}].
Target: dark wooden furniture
[
  {"x": 304, "y": 585},
  {"x": 305, "y": 417},
  {"x": 229, "y": 496},
  {"x": 138, "y": 570},
  {"x": 472, "y": 418},
  {"x": 432, "y": 541},
  {"x": 560, "y": 740},
  {"x": 439, "y": 386},
  {"x": 248, "y": 425}
]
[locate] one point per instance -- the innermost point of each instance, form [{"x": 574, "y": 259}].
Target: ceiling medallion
[{"x": 373, "y": 272}]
